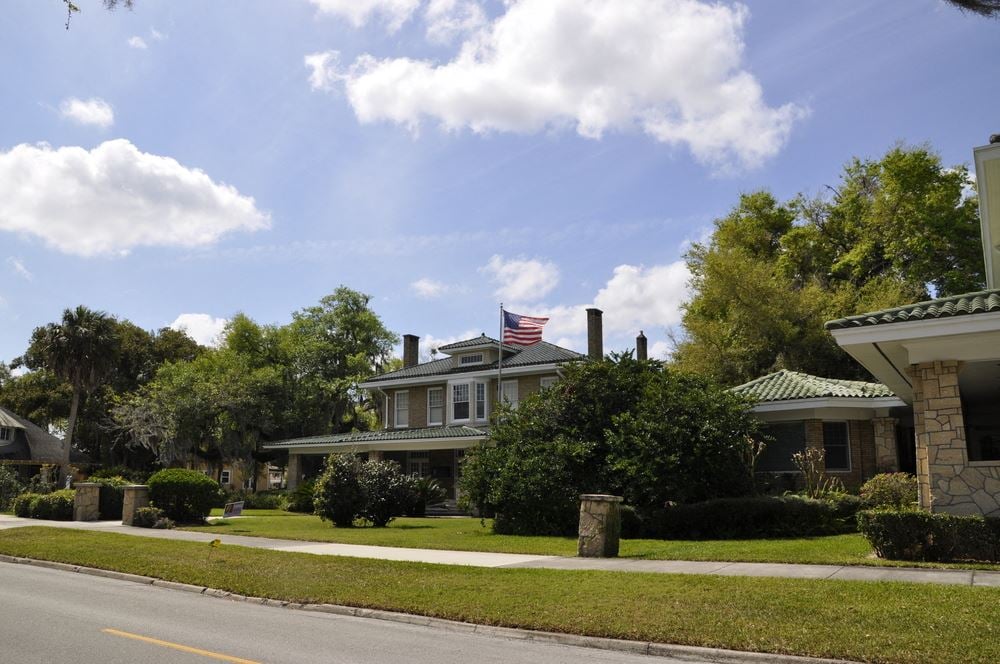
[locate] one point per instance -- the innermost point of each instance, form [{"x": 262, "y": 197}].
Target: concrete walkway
[{"x": 513, "y": 560}]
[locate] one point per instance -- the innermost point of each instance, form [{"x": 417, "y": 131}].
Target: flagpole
[{"x": 500, "y": 359}]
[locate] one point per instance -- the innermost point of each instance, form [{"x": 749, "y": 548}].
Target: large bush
[
  {"x": 891, "y": 490},
  {"x": 185, "y": 496},
  {"x": 919, "y": 535},
  {"x": 301, "y": 498},
  {"x": 388, "y": 492},
  {"x": 621, "y": 426},
  {"x": 258, "y": 500},
  {"x": 55, "y": 506},
  {"x": 10, "y": 487},
  {"x": 339, "y": 495},
  {"x": 425, "y": 492},
  {"x": 748, "y": 518}
]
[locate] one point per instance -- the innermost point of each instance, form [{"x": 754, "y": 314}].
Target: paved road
[{"x": 51, "y": 616}]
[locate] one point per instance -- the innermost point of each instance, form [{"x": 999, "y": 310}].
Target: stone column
[
  {"x": 87, "y": 502},
  {"x": 293, "y": 471},
  {"x": 136, "y": 497},
  {"x": 375, "y": 455},
  {"x": 886, "y": 454},
  {"x": 600, "y": 526}
]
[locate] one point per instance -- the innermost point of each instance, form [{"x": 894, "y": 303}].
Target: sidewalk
[{"x": 512, "y": 560}]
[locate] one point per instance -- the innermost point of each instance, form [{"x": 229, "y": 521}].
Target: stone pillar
[
  {"x": 886, "y": 453},
  {"x": 87, "y": 502},
  {"x": 375, "y": 455},
  {"x": 136, "y": 497},
  {"x": 600, "y": 526},
  {"x": 293, "y": 472},
  {"x": 946, "y": 481}
]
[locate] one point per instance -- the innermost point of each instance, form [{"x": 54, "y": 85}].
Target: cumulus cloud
[
  {"x": 114, "y": 198},
  {"x": 521, "y": 279},
  {"x": 203, "y": 328},
  {"x": 94, "y": 111},
  {"x": 137, "y": 42},
  {"x": 429, "y": 289},
  {"x": 358, "y": 12},
  {"x": 450, "y": 19},
  {"x": 323, "y": 74},
  {"x": 17, "y": 265},
  {"x": 670, "y": 68},
  {"x": 429, "y": 343}
]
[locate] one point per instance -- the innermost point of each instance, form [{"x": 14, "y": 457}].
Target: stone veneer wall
[
  {"x": 886, "y": 454},
  {"x": 946, "y": 480}
]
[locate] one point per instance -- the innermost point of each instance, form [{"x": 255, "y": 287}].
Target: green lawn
[
  {"x": 468, "y": 534},
  {"x": 877, "y": 622}
]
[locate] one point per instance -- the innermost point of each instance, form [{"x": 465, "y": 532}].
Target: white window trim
[
  {"x": 395, "y": 409},
  {"x": 546, "y": 382},
  {"x": 850, "y": 461},
  {"x": 6, "y": 433},
  {"x": 517, "y": 397},
  {"x": 444, "y": 406},
  {"x": 472, "y": 358},
  {"x": 451, "y": 401},
  {"x": 225, "y": 477},
  {"x": 486, "y": 400}
]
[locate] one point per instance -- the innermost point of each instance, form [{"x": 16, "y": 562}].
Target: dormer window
[
  {"x": 6, "y": 433},
  {"x": 474, "y": 358}
]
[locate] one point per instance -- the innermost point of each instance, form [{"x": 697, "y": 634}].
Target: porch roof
[
  {"x": 382, "y": 436},
  {"x": 945, "y": 307}
]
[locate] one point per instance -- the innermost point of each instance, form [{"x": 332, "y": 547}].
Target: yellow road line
[{"x": 178, "y": 646}]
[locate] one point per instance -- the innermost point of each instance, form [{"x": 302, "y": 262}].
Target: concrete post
[
  {"x": 600, "y": 526},
  {"x": 87, "y": 502},
  {"x": 293, "y": 471},
  {"x": 136, "y": 497}
]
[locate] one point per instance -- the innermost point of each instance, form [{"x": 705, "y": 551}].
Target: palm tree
[{"x": 80, "y": 350}]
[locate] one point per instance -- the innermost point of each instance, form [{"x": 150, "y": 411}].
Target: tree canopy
[{"x": 894, "y": 230}]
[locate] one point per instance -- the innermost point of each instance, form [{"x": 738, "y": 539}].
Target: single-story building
[{"x": 29, "y": 448}]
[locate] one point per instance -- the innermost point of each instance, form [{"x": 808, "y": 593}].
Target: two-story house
[{"x": 433, "y": 411}]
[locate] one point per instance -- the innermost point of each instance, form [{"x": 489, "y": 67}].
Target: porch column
[
  {"x": 886, "y": 454},
  {"x": 375, "y": 455},
  {"x": 294, "y": 471}
]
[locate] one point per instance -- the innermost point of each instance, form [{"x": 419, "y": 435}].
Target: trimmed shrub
[
  {"x": 10, "y": 487},
  {"x": 919, "y": 535},
  {"x": 747, "y": 518},
  {"x": 388, "y": 492},
  {"x": 260, "y": 500},
  {"x": 112, "y": 495},
  {"x": 131, "y": 475},
  {"x": 339, "y": 495},
  {"x": 186, "y": 496},
  {"x": 301, "y": 499},
  {"x": 845, "y": 506},
  {"x": 892, "y": 490},
  {"x": 147, "y": 517},
  {"x": 21, "y": 505}
]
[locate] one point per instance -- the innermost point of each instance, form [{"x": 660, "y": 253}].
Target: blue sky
[{"x": 185, "y": 161}]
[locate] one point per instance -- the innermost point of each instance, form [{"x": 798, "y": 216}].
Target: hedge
[
  {"x": 753, "y": 517},
  {"x": 920, "y": 535},
  {"x": 55, "y": 506},
  {"x": 186, "y": 496}
]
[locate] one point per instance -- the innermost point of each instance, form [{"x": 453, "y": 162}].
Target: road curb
[{"x": 678, "y": 652}]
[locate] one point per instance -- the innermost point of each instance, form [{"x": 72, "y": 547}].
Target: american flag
[{"x": 522, "y": 330}]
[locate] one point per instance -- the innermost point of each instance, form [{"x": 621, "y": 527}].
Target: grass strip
[
  {"x": 468, "y": 534},
  {"x": 877, "y": 622}
]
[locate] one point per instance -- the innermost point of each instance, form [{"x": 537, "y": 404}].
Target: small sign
[{"x": 232, "y": 509}]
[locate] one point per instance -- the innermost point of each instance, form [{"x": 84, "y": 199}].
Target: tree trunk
[{"x": 70, "y": 426}]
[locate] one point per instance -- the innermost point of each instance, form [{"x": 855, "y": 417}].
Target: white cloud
[
  {"x": 114, "y": 198},
  {"x": 429, "y": 342},
  {"x": 358, "y": 12},
  {"x": 449, "y": 19},
  {"x": 521, "y": 279},
  {"x": 638, "y": 296},
  {"x": 324, "y": 69},
  {"x": 138, "y": 42},
  {"x": 17, "y": 265},
  {"x": 429, "y": 288},
  {"x": 203, "y": 328},
  {"x": 670, "y": 68},
  {"x": 94, "y": 111},
  {"x": 660, "y": 350},
  {"x": 156, "y": 34}
]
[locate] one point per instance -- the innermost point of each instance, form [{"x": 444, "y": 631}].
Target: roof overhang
[
  {"x": 867, "y": 403},
  {"x": 888, "y": 350},
  {"x": 412, "y": 445},
  {"x": 458, "y": 375}
]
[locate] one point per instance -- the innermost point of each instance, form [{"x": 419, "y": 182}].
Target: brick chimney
[
  {"x": 987, "y": 160},
  {"x": 640, "y": 347},
  {"x": 411, "y": 350},
  {"x": 595, "y": 334}
]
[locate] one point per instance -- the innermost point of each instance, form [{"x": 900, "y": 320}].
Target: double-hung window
[
  {"x": 435, "y": 406},
  {"x": 6, "y": 433},
  {"x": 836, "y": 444},
  {"x": 402, "y": 409},
  {"x": 509, "y": 393},
  {"x": 460, "y": 402},
  {"x": 548, "y": 381},
  {"x": 787, "y": 439},
  {"x": 480, "y": 401},
  {"x": 224, "y": 477}
]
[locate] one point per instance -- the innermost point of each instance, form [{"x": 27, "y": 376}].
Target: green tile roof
[
  {"x": 387, "y": 435},
  {"x": 476, "y": 342},
  {"x": 541, "y": 353},
  {"x": 786, "y": 385},
  {"x": 945, "y": 307}
]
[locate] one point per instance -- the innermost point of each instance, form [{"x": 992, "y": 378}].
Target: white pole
[{"x": 500, "y": 359}]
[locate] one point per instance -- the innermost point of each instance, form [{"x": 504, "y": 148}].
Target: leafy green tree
[
  {"x": 39, "y": 396},
  {"x": 81, "y": 349},
  {"x": 894, "y": 231},
  {"x": 618, "y": 426},
  {"x": 986, "y": 8}
]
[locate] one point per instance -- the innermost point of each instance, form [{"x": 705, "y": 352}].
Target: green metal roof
[
  {"x": 387, "y": 435},
  {"x": 945, "y": 307},
  {"x": 786, "y": 385},
  {"x": 540, "y": 353}
]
